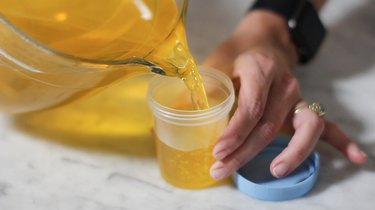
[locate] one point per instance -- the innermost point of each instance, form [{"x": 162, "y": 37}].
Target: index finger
[{"x": 255, "y": 84}]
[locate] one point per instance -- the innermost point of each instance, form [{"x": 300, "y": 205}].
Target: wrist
[{"x": 265, "y": 29}]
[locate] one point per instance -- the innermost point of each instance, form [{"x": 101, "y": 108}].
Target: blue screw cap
[{"x": 256, "y": 180}]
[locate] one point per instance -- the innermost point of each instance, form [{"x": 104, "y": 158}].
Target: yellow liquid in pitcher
[{"x": 105, "y": 31}]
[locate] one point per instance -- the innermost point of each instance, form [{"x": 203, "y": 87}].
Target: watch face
[{"x": 308, "y": 33}]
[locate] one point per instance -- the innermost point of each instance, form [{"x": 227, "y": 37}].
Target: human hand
[{"x": 260, "y": 56}]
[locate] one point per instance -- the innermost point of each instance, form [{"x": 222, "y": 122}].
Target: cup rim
[{"x": 221, "y": 109}]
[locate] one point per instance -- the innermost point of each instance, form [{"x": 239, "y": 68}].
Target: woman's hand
[{"x": 260, "y": 57}]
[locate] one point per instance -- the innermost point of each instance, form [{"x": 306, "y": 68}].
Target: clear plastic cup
[{"x": 185, "y": 137}]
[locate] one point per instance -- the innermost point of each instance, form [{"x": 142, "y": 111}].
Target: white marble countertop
[{"x": 37, "y": 174}]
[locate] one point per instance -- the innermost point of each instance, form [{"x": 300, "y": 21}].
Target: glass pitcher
[{"x": 53, "y": 52}]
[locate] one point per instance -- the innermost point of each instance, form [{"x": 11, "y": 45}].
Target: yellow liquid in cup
[
  {"x": 187, "y": 169},
  {"x": 184, "y": 151}
]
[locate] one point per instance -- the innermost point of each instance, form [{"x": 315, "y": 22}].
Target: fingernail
[
  {"x": 220, "y": 155},
  {"x": 218, "y": 171},
  {"x": 361, "y": 152},
  {"x": 280, "y": 170},
  {"x": 357, "y": 150},
  {"x": 219, "y": 151},
  {"x": 364, "y": 155}
]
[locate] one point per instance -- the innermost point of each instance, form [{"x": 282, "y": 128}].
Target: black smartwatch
[{"x": 306, "y": 29}]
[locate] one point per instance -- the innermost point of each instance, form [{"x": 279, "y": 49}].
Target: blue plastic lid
[{"x": 256, "y": 180}]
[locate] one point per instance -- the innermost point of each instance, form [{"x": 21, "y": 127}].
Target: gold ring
[{"x": 315, "y": 107}]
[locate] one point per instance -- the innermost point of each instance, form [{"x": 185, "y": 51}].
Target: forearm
[
  {"x": 269, "y": 26},
  {"x": 260, "y": 30},
  {"x": 265, "y": 29}
]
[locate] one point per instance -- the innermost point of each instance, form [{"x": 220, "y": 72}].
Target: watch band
[
  {"x": 306, "y": 30},
  {"x": 285, "y": 8}
]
